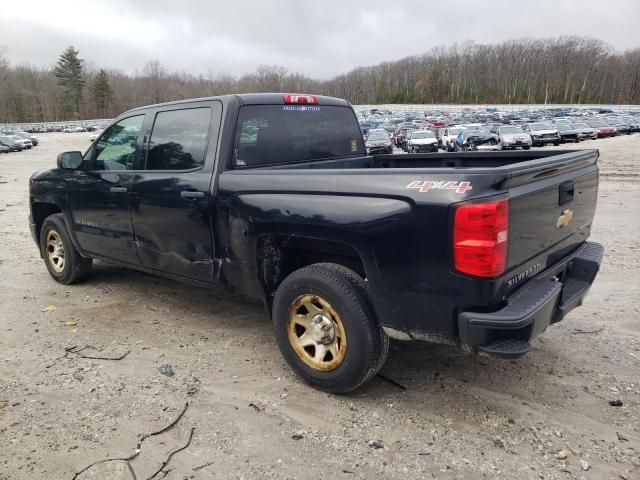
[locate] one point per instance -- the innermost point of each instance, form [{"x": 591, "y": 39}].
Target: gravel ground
[{"x": 547, "y": 416}]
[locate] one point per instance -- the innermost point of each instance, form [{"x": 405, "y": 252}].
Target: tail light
[
  {"x": 480, "y": 238},
  {"x": 300, "y": 99}
]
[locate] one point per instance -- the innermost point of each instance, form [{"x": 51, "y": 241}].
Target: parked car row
[
  {"x": 428, "y": 132},
  {"x": 16, "y": 141},
  {"x": 70, "y": 127}
]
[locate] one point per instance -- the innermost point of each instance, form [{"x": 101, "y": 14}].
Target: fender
[
  {"x": 357, "y": 221},
  {"x": 41, "y": 192}
]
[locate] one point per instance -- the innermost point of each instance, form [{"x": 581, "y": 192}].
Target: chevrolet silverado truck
[{"x": 273, "y": 196}]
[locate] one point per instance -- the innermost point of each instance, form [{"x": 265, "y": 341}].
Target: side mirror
[{"x": 69, "y": 160}]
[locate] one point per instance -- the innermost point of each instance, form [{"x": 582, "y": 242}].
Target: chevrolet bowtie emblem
[{"x": 565, "y": 218}]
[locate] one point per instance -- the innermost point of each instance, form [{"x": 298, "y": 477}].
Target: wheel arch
[
  {"x": 40, "y": 211},
  {"x": 279, "y": 255}
]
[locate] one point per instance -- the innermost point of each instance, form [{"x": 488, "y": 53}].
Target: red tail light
[
  {"x": 299, "y": 98},
  {"x": 480, "y": 238}
]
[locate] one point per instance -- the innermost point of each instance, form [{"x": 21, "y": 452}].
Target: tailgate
[{"x": 551, "y": 209}]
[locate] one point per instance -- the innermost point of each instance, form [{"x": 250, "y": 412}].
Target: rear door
[
  {"x": 171, "y": 203},
  {"x": 98, "y": 192}
]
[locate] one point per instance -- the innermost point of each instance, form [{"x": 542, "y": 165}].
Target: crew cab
[{"x": 274, "y": 197}]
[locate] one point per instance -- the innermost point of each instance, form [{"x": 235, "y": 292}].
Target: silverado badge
[{"x": 565, "y": 218}]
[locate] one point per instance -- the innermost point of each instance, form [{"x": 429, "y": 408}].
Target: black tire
[
  {"x": 348, "y": 294},
  {"x": 526, "y": 147},
  {"x": 74, "y": 267},
  {"x": 556, "y": 143}
]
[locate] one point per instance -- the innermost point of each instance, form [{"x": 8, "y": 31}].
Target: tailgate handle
[{"x": 566, "y": 192}]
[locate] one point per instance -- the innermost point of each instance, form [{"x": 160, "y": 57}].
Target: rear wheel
[
  {"x": 63, "y": 261},
  {"x": 326, "y": 328}
]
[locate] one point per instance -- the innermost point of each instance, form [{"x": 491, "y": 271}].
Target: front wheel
[
  {"x": 63, "y": 261},
  {"x": 326, "y": 328}
]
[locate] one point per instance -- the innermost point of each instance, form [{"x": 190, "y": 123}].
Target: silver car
[
  {"x": 585, "y": 131},
  {"x": 512, "y": 136}
]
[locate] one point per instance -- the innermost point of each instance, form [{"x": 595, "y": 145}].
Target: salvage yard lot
[{"x": 445, "y": 415}]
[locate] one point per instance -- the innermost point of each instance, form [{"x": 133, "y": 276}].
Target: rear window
[
  {"x": 270, "y": 134},
  {"x": 179, "y": 139}
]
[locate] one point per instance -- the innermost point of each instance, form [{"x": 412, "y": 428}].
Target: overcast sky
[{"x": 319, "y": 38}]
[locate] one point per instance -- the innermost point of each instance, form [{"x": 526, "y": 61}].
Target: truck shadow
[{"x": 415, "y": 366}]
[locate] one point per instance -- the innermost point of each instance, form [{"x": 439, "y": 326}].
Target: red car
[{"x": 603, "y": 129}]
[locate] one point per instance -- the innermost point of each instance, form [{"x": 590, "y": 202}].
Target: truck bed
[{"x": 514, "y": 160}]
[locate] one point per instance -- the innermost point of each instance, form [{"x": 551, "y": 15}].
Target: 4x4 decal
[{"x": 426, "y": 185}]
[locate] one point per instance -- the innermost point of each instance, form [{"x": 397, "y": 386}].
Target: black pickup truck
[{"x": 274, "y": 197}]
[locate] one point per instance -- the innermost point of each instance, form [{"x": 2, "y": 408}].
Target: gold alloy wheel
[
  {"x": 55, "y": 251},
  {"x": 316, "y": 333}
]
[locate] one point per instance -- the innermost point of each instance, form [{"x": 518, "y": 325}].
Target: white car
[
  {"x": 422, "y": 141},
  {"x": 512, "y": 136},
  {"x": 449, "y": 136},
  {"x": 74, "y": 129},
  {"x": 22, "y": 141},
  {"x": 94, "y": 135},
  {"x": 542, "y": 133}
]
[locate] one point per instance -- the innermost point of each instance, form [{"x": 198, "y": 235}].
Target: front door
[
  {"x": 99, "y": 193},
  {"x": 171, "y": 201}
]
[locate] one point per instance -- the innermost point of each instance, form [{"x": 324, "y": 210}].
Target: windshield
[
  {"x": 377, "y": 136},
  {"x": 455, "y": 131},
  {"x": 268, "y": 134},
  {"x": 511, "y": 130},
  {"x": 423, "y": 135},
  {"x": 598, "y": 123},
  {"x": 541, "y": 126},
  {"x": 580, "y": 125}
]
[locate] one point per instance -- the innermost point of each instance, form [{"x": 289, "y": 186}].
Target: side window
[
  {"x": 179, "y": 139},
  {"x": 116, "y": 149}
]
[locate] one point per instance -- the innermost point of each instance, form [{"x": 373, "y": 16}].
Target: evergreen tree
[
  {"x": 102, "y": 92},
  {"x": 70, "y": 75}
]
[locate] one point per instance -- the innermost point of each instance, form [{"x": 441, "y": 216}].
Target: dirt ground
[{"x": 545, "y": 416}]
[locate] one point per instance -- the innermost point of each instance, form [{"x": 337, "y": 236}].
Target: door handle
[
  {"x": 117, "y": 189},
  {"x": 191, "y": 195}
]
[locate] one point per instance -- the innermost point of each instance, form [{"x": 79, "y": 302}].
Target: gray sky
[{"x": 318, "y": 38}]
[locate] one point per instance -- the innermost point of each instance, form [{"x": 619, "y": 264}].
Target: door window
[
  {"x": 116, "y": 149},
  {"x": 179, "y": 139}
]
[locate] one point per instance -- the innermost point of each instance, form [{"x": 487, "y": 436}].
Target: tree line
[{"x": 571, "y": 70}]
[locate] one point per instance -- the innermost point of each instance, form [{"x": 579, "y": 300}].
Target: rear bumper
[
  {"x": 379, "y": 150},
  {"x": 546, "y": 299}
]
